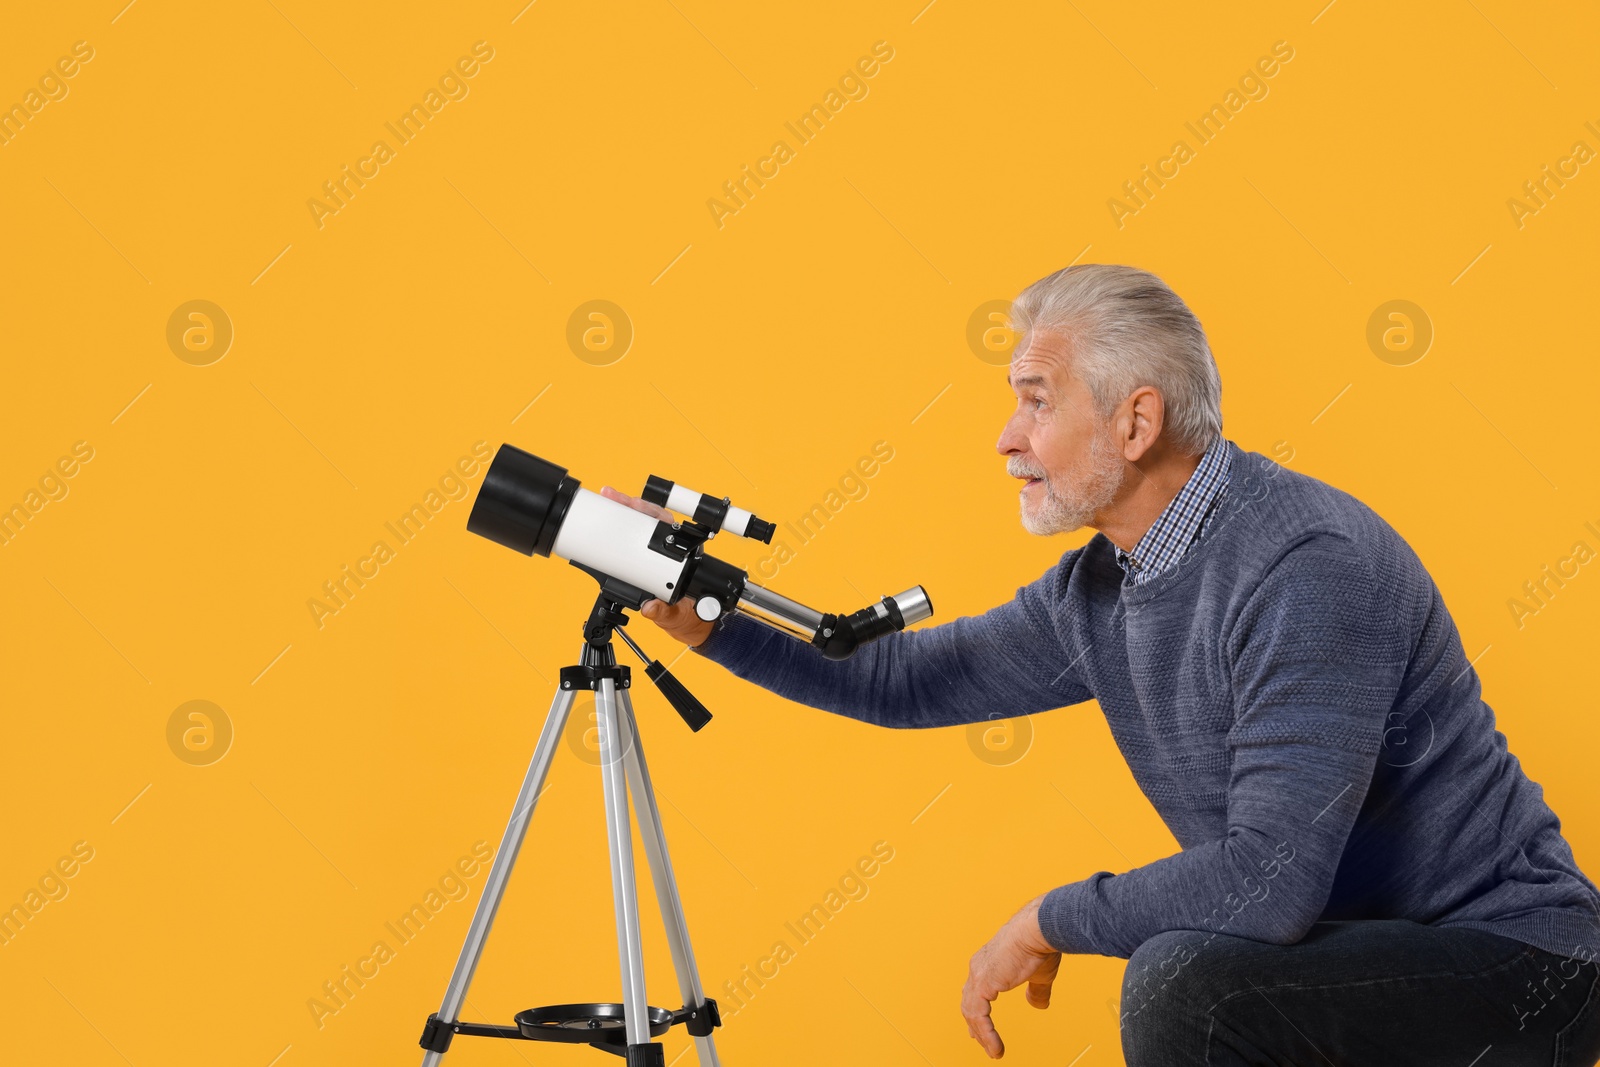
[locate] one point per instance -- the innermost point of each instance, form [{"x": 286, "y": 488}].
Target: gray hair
[{"x": 1128, "y": 330}]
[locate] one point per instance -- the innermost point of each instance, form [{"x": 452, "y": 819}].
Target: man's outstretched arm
[{"x": 1008, "y": 661}]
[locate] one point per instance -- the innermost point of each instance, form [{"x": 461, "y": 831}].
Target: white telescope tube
[{"x": 615, "y": 539}]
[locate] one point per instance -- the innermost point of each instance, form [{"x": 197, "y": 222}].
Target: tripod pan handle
[{"x": 686, "y": 703}]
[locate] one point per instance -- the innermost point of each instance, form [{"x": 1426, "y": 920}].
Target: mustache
[{"x": 1021, "y": 470}]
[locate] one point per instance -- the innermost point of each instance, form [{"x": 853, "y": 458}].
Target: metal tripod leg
[
  {"x": 494, "y": 885},
  {"x": 619, "y": 833},
  {"x": 655, "y": 847}
]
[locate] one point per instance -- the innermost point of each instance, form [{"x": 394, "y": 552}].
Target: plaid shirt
[{"x": 1181, "y": 523}]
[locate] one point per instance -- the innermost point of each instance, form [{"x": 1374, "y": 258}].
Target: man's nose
[{"x": 1011, "y": 442}]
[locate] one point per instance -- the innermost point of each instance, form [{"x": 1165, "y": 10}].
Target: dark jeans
[{"x": 1387, "y": 993}]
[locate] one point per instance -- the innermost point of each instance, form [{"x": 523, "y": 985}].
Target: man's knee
[
  {"x": 1160, "y": 963},
  {"x": 1184, "y": 991},
  {"x": 1164, "y": 994}
]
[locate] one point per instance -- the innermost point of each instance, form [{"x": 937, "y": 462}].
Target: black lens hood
[{"x": 522, "y": 502}]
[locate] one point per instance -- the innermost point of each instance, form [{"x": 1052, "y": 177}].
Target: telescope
[{"x": 536, "y": 507}]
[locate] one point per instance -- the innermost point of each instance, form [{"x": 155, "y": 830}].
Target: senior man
[{"x": 1367, "y": 876}]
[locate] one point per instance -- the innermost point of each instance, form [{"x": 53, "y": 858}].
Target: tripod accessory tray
[
  {"x": 590, "y": 1024},
  {"x": 602, "y": 1026}
]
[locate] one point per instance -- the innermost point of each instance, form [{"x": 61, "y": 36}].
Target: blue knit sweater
[{"x": 1293, "y": 699}]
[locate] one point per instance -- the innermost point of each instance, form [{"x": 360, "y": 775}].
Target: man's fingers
[
  {"x": 975, "y": 1009},
  {"x": 623, "y": 498},
  {"x": 1043, "y": 978},
  {"x": 989, "y": 1038},
  {"x": 655, "y": 510}
]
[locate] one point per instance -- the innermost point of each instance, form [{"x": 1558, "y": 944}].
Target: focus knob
[{"x": 708, "y": 608}]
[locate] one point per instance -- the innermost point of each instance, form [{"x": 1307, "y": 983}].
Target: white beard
[{"x": 1071, "y": 502}]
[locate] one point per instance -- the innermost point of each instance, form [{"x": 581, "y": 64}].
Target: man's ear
[{"x": 1140, "y": 420}]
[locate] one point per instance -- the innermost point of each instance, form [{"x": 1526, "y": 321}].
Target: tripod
[{"x": 625, "y": 1029}]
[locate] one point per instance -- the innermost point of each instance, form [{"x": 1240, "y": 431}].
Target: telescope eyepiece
[{"x": 839, "y": 636}]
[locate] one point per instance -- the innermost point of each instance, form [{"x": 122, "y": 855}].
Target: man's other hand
[
  {"x": 678, "y": 619},
  {"x": 1017, "y": 954}
]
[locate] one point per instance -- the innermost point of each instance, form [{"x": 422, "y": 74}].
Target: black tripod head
[{"x": 608, "y": 616}]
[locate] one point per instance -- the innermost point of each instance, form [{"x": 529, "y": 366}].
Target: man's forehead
[{"x": 1038, "y": 360}]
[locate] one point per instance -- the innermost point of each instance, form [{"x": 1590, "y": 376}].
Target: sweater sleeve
[
  {"x": 1006, "y": 662},
  {"x": 1316, "y": 661}
]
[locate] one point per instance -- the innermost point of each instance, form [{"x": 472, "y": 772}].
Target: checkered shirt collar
[{"x": 1179, "y": 525}]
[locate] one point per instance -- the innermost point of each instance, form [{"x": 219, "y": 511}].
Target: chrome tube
[{"x": 779, "y": 611}]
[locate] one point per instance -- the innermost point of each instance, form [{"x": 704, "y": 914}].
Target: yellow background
[{"x": 769, "y": 354}]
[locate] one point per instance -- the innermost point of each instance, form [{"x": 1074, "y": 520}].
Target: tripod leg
[
  {"x": 619, "y": 833},
  {"x": 494, "y": 886},
  {"x": 655, "y": 847}
]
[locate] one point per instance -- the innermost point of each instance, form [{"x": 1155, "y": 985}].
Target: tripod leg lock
[
  {"x": 700, "y": 1022},
  {"x": 647, "y": 1055},
  {"x": 436, "y": 1034}
]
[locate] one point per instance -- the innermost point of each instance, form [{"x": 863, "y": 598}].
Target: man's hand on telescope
[
  {"x": 678, "y": 619},
  {"x": 1017, "y": 954}
]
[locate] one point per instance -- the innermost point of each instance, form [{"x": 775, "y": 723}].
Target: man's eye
[{"x": 1037, "y": 401}]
